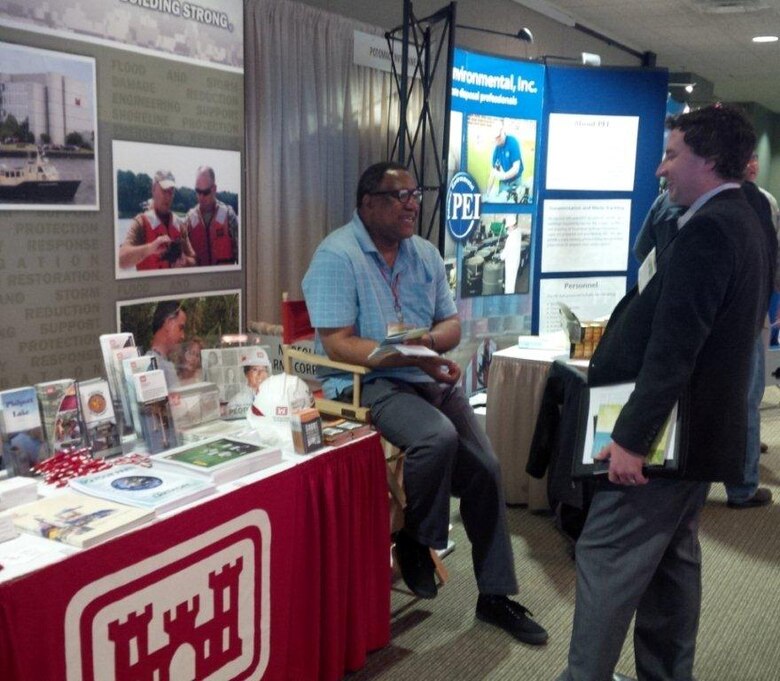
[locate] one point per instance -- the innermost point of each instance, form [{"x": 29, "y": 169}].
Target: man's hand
[
  {"x": 625, "y": 467},
  {"x": 440, "y": 369},
  {"x": 160, "y": 244}
]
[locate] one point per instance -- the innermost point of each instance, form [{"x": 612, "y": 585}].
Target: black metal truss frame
[{"x": 416, "y": 34}]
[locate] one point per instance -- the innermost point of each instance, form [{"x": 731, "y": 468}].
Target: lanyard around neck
[{"x": 393, "y": 283}]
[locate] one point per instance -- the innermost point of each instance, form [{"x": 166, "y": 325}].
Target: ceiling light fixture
[
  {"x": 523, "y": 35},
  {"x": 766, "y": 39},
  {"x": 688, "y": 87}
]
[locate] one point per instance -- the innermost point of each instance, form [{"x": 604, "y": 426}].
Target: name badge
[{"x": 647, "y": 270}]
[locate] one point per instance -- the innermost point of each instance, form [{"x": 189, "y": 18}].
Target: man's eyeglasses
[
  {"x": 403, "y": 195},
  {"x": 203, "y": 192}
]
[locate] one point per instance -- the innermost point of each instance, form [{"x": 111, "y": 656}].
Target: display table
[
  {"x": 515, "y": 387},
  {"x": 286, "y": 577}
]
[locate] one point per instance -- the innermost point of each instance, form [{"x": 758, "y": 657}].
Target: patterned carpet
[{"x": 739, "y": 636}]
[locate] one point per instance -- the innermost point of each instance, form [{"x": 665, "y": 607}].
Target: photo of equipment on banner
[
  {"x": 495, "y": 258},
  {"x": 500, "y": 157}
]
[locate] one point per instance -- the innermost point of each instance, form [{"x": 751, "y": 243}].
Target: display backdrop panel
[
  {"x": 605, "y": 142},
  {"x": 58, "y": 285},
  {"x": 495, "y": 132}
]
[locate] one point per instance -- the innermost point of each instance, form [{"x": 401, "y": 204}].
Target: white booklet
[
  {"x": 403, "y": 336},
  {"x": 155, "y": 488},
  {"x": 406, "y": 350}
]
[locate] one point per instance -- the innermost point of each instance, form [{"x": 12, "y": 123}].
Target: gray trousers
[
  {"x": 446, "y": 452},
  {"x": 638, "y": 553}
]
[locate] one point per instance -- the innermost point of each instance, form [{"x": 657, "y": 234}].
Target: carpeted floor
[{"x": 739, "y": 636}]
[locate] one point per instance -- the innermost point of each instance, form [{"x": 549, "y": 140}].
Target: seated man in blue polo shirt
[{"x": 373, "y": 277}]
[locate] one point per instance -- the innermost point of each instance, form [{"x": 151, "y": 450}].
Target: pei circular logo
[{"x": 463, "y": 199}]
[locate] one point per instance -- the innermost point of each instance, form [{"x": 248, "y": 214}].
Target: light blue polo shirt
[{"x": 349, "y": 283}]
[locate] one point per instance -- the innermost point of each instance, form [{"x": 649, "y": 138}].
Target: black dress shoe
[
  {"x": 761, "y": 497},
  {"x": 416, "y": 564},
  {"x": 511, "y": 617}
]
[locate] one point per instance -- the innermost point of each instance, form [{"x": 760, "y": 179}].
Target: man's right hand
[
  {"x": 440, "y": 369},
  {"x": 160, "y": 244}
]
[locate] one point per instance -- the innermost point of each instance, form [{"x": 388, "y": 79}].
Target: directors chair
[{"x": 296, "y": 327}]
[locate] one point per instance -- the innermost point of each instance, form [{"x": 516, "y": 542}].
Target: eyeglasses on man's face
[
  {"x": 203, "y": 192},
  {"x": 403, "y": 195}
]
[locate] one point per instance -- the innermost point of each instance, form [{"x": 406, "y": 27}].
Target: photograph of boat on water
[{"x": 48, "y": 130}]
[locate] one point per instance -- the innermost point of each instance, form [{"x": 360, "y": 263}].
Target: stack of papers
[{"x": 17, "y": 490}]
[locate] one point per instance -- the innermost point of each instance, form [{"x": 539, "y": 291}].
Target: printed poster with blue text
[{"x": 495, "y": 133}]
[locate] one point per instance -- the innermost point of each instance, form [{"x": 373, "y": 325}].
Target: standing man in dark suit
[{"x": 686, "y": 333}]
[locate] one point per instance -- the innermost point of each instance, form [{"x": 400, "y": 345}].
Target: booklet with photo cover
[
  {"x": 77, "y": 519},
  {"x": 599, "y": 412},
  {"x": 155, "y": 488},
  {"x": 220, "y": 459},
  {"x": 22, "y": 434}
]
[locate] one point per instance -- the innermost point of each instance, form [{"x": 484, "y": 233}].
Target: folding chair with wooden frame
[{"x": 295, "y": 318}]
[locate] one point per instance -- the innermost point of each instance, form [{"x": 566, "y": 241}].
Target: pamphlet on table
[{"x": 155, "y": 488}]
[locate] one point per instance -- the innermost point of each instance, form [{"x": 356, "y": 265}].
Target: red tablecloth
[{"x": 285, "y": 578}]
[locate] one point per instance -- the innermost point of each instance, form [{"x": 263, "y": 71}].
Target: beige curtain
[{"x": 314, "y": 121}]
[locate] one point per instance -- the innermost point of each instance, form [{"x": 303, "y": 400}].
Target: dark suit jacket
[{"x": 689, "y": 336}]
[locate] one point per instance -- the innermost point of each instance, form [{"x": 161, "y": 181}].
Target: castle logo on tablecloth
[
  {"x": 215, "y": 642},
  {"x": 199, "y": 610}
]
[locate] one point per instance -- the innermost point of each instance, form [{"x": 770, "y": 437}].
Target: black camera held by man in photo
[{"x": 173, "y": 252}]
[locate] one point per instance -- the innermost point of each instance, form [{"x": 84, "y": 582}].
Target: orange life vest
[
  {"x": 154, "y": 227},
  {"x": 212, "y": 246}
]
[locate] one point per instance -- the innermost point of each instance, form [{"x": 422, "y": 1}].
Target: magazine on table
[
  {"x": 220, "y": 459},
  {"x": 599, "y": 411},
  {"x": 153, "y": 488},
  {"x": 77, "y": 519}
]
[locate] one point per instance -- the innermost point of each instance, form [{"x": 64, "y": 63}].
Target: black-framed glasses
[
  {"x": 203, "y": 192},
  {"x": 403, "y": 195}
]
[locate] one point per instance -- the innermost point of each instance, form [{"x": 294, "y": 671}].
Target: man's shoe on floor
[
  {"x": 416, "y": 565},
  {"x": 764, "y": 448},
  {"x": 511, "y": 617},
  {"x": 762, "y": 497}
]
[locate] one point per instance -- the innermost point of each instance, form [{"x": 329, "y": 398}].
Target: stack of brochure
[
  {"x": 76, "y": 519},
  {"x": 151, "y": 488},
  {"x": 219, "y": 459}
]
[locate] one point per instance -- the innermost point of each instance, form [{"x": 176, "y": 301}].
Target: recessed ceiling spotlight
[{"x": 765, "y": 39}]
